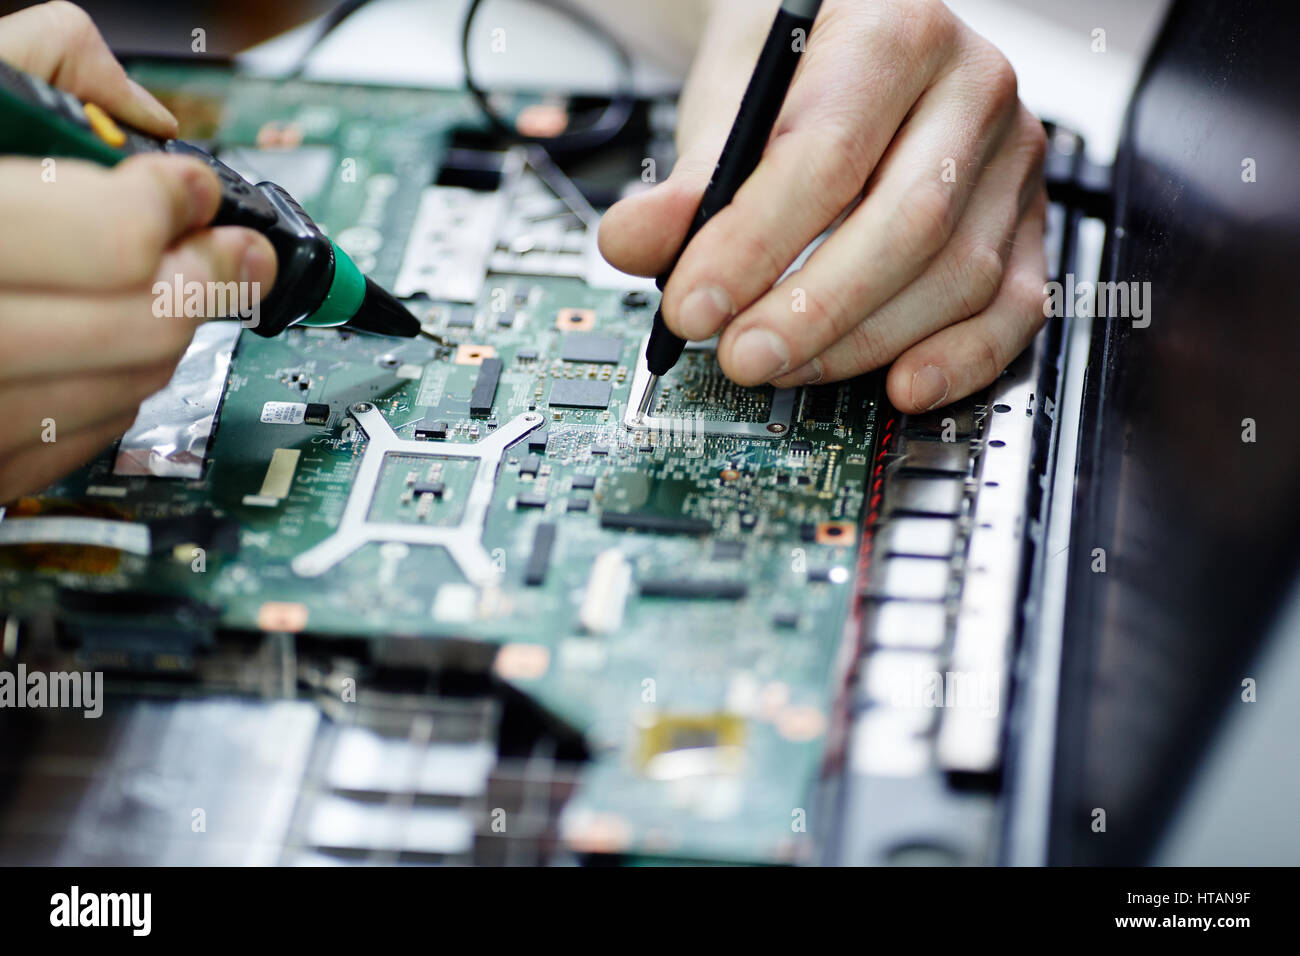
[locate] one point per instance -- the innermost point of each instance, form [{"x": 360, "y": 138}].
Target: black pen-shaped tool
[{"x": 749, "y": 135}]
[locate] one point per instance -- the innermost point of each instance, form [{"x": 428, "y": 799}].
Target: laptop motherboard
[{"x": 677, "y": 591}]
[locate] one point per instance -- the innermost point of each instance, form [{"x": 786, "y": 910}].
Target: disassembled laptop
[{"x": 446, "y": 600}]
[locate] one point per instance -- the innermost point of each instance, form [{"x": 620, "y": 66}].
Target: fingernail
[
  {"x": 760, "y": 355},
  {"x": 703, "y": 312},
  {"x": 257, "y": 266},
  {"x": 929, "y": 388},
  {"x": 151, "y": 105},
  {"x": 809, "y": 374}
]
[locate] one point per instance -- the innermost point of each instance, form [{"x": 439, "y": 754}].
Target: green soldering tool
[{"x": 316, "y": 283}]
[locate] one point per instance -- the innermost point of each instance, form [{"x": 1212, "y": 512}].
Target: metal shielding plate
[{"x": 776, "y": 427}]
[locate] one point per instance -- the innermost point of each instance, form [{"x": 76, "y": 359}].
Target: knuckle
[
  {"x": 1027, "y": 294},
  {"x": 130, "y": 250},
  {"x": 1002, "y": 84},
  {"x": 68, "y": 19},
  {"x": 756, "y": 254},
  {"x": 1038, "y": 203},
  {"x": 74, "y": 25},
  {"x": 982, "y": 273},
  {"x": 922, "y": 28},
  {"x": 1034, "y": 139},
  {"x": 867, "y": 347},
  {"x": 987, "y": 356},
  {"x": 839, "y": 170},
  {"x": 215, "y": 258},
  {"x": 828, "y": 307},
  {"x": 988, "y": 71},
  {"x": 928, "y": 213},
  {"x": 149, "y": 200}
]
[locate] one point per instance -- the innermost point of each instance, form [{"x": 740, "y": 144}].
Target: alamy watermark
[
  {"x": 979, "y": 691},
  {"x": 79, "y": 690},
  {"x": 209, "y": 300},
  {"x": 1102, "y": 300},
  {"x": 75, "y": 908}
]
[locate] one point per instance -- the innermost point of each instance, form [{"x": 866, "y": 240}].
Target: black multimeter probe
[
  {"x": 749, "y": 135},
  {"x": 316, "y": 283}
]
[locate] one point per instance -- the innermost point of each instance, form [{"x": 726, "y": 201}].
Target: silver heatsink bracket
[
  {"x": 464, "y": 541},
  {"x": 777, "y": 426}
]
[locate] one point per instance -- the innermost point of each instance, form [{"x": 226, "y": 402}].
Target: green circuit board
[{"x": 678, "y": 593}]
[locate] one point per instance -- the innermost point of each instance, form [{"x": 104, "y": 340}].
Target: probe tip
[
  {"x": 382, "y": 313},
  {"x": 644, "y": 406}
]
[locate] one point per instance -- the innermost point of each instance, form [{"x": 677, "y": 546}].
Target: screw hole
[{"x": 1002, "y": 407}]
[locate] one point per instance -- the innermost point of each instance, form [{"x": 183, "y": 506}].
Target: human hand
[
  {"x": 79, "y": 343},
  {"x": 939, "y": 270}
]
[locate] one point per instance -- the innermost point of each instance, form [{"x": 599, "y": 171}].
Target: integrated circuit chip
[
  {"x": 485, "y": 388},
  {"x": 589, "y": 347},
  {"x": 580, "y": 393},
  {"x": 539, "y": 560},
  {"x": 695, "y": 589},
  {"x": 728, "y": 550},
  {"x": 431, "y": 431},
  {"x": 664, "y": 524}
]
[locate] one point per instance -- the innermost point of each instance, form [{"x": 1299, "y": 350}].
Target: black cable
[
  {"x": 604, "y": 129},
  {"x": 329, "y": 23}
]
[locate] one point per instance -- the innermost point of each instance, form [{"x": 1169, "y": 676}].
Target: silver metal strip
[
  {"x": 464, "y": 542},
  {"x": 169, "y": 437},
  {"x": 777, "y": 426},
  {"x": 1031, "y": 785},
  {"x": 970, "y": 738}
]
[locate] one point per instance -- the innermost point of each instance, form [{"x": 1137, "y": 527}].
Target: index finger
[{"x": 93, "y": 228}]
